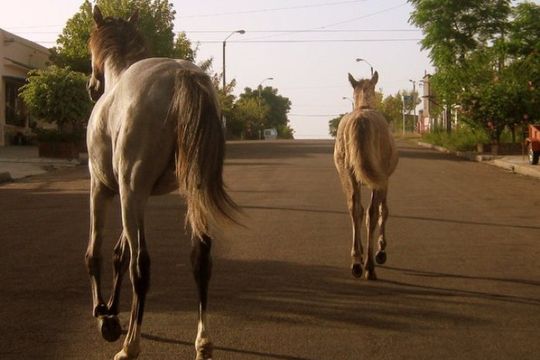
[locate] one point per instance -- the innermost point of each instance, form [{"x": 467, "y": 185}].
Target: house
[{"x": 17, "y": 57}]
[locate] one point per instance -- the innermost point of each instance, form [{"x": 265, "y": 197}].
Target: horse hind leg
[
  {"x": 380, "y": 256},
  {"x": 371, "y": 222},
  {"x": 109, "y": 324},
  {"x": 139, "y": 269},
  {"x": 357, "y": 213},
  {"x": 100, "y": 198},
  {"x": 201, "y": 262}
]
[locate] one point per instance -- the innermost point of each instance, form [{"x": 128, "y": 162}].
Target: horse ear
[
  {"x": 98, "y": 16},
  {"x": 375, "y": 78},
  {"x": 134, "y": 18},
  {"x": 352, "y": 81}
]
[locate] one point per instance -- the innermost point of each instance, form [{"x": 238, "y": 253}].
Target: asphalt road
[{"x": 462, "y": 280}]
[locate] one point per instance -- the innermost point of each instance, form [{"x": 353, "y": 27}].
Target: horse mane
[{"x": 118, "y": 40}]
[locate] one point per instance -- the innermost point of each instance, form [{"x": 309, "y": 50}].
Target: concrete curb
[{"x": 487, "y": 159}]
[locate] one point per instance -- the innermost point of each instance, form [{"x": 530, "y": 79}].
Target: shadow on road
[
  {"x": 464, "y": 222},
  {"x": 466, "y": 277},
  {"x": 222, "y": 348}
]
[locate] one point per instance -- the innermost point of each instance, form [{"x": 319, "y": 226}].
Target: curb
[
  {"x": 469, "y": 155},
  {"x": 486, "y": 159}
]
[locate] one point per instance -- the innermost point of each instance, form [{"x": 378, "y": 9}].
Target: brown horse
[
  {"x": 154, "y": 128},
  {"x": 365, "y": 153}
]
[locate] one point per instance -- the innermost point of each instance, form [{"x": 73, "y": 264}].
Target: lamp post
[
  {"x": 224, "y": 45},
  {"x": 367, "y": 62},
  {"x": 224, "y": 80},
  {"x": 259, "y": 87},
  {"x": 351, "y": 100}
]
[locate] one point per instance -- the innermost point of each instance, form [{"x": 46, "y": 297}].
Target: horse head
[
  {"x": 364, "y": 91},
  {"x": 115, "y": 40}
]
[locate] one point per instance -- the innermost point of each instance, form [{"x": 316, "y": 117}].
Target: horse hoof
[
  {"x": 370, "y": 275},
  {"x": 204, "y": 349},
  {"x": 123, "y": 355},
  {"x": 380, "y": 257},
  {"x": 110, "y": 328},
  {"x": 356, "y": 270}
]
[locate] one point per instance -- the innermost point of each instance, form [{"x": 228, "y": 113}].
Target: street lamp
[
  {"x": 351, "y": 100},
  {"x": 367, "y": 62},
  {"x": 224, "y": 44},
  {"x": 259, "y": 87}
]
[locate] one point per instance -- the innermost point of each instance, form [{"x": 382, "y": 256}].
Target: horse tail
[
  {"x": 371, "y": 149},
  {"x": 200, "y": 152}
]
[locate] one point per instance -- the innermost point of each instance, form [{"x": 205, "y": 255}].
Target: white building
[{"x": 17, "y": 57}]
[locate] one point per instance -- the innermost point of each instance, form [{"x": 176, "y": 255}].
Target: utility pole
[{"x": 414, "y": 102}]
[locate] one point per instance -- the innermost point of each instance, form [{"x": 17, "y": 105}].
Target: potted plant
[{"x": 58, "y": 97}]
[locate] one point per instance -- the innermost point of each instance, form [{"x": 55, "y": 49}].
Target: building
[
  {"x": 425, "y": 120},
  {"x": 17, "y": 57}
]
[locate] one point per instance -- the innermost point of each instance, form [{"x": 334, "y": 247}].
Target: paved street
[{"x": 462, "y": 280}]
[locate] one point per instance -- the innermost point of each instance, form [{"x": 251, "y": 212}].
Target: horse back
[
  {"x": 130, "y": 131},
  {"x": 366, "y": 146}
]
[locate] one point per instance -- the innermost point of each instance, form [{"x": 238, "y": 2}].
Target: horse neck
[
  {"x": 363, "y": 102},
  {"x": 112, "y": 74}
]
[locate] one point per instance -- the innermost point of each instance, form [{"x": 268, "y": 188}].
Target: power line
[
  {"x": 272, "y": 9},
  {"x": 341, "y": 22},
  {"x": 305, "y": 41},
  {"x": 363, "y": 16},
  {"x": 314, "y": 115},
  {"x": 304, "y": 31}
]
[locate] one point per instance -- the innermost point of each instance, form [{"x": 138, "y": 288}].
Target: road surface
[{"x": 462, "y": 280}]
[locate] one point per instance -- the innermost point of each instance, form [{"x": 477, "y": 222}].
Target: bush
[
  {"x": 464, "y": 139},
  {"x": 58, "y": 96}
]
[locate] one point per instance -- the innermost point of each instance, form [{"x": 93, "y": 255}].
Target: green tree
[
  {"x": 334, "y": 124},
  {"x": 278, "y": 107},
  {"x": 246, "y": 118},
  {"x": 392, "y": 108},
  {"x": 484, "y": 53},
  {"x": 155, "y": 23},
  {"x": 58, "y": 95}
]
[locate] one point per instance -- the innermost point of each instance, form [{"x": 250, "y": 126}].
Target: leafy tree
[
  {"x": 155, "y": 22},
  {"x": 247, "y": 118},
  {"x": 278, "y": 107},
  {"x": 486, "y": 58},
  {"x": 334, "y": 124},
  {"x": 392, "y": 108},
  {"x": 58, "y": 95}
]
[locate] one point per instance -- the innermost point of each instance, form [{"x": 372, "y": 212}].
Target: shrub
[{"x": 58, "y": 95}]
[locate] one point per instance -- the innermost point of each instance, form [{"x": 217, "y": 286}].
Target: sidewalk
[
  {"x": 517, "y": 164},
  {"x": 17, "y": 162}
]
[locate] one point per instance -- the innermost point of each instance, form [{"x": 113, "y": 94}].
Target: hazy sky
[{"x": 309, "y": 67}]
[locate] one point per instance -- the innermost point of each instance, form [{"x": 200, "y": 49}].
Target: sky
[{"x": 306, "y": 46}]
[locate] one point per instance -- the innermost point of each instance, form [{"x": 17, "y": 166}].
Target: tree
[
  {"x": 278, "y": 107},
  {"x": 485, "y": 54},
  {"x": 246, "y": 120},
  {"x": 58, "y": 95},
  {"x": 155, "y": 23},
  {"x": 334, "y": 124},
  {"x": 392, "y": 108}
]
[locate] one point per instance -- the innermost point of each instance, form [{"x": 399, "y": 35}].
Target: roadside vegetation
[{"x": 246, "y": 115}]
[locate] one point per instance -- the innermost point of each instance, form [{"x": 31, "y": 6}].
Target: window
[{"x": 15, "y": 109}]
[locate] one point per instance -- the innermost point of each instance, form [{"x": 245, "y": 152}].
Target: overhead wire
[{"x": 272, "y": 9}]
